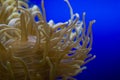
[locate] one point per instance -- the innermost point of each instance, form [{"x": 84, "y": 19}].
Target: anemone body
[{"x": 41, "y": 50}]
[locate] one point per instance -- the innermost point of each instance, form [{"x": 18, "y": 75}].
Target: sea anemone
[{"x": 41, "y": 50}]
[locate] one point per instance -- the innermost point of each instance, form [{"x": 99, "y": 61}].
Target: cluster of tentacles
[{"x": 41, "y": 50}]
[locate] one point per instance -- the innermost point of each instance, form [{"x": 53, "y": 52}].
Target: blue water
[{"x": 106, "y": 33}]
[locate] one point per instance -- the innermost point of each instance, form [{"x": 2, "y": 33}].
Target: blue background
[{"x": 106, "y": 33}]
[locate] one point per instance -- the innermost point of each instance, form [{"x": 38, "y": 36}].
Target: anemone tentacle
[{"x": 41, "y": 50}]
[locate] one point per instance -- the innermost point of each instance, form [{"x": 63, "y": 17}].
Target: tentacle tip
[
  {"x": 83, "y": 68},
  {"x": 35, "y": 7},
  {"x": 94, "y": 56},
  {"x": 66, "y": 0},
  {"x": 10, "y": 47},
  {"x": 77, "y": 15},
  {"x": 94, "y": 21},
  {"x": 66, "y": 22},
  {"x": 84, "y": 13},
  {"x": 42, "y": 1}
]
